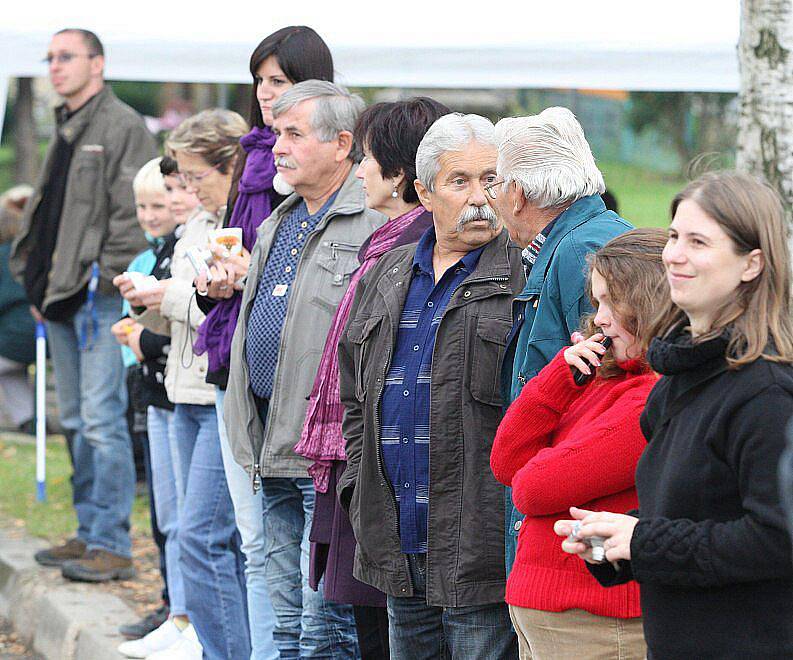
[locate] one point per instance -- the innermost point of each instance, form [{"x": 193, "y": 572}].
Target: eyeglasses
[
  {"x": 65, "y": 58},
  {"x": 491, "y": 188},
  {"x": 188, "y": 178}
]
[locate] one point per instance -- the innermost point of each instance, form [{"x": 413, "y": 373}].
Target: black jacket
[
  {"x": 710, "y": 551},
  {"x": 465, "y": 561}
]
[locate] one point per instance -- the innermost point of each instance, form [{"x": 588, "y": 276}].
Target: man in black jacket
[{"x": 419, "y": 368}]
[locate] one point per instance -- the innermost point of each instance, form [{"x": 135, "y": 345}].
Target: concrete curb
[{"x": 63, "y": 620}]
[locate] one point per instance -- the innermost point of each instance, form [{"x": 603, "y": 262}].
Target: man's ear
[
  {"x": 345, "y": 142},
  {"x": 754, "y": 266},
  {"x": 424, "y": 195},
  {"x": 516, "y": 197},
  {"x": 97, "y": 65}
]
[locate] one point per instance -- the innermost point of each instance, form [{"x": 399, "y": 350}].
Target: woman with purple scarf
[
  {"x": 390, "y": 134},
  {"x": 288, "y": 56}
]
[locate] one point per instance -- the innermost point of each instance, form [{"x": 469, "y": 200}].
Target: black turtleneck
[{"x": 710, "y": 551}]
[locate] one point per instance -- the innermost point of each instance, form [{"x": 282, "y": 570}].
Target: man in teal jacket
[{"x": 548, "y": 195}]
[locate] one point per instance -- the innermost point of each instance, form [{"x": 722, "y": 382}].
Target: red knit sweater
[{"x": 560, "y": 445}]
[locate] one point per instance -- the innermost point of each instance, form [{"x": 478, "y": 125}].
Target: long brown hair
[
  {"x": 634, "y": 274},
  {"x": 759, "y": 317}
]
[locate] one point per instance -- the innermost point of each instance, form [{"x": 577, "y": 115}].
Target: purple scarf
[
  {"x": 250, "y": 209},
  {"x": 321, "y": 439}
]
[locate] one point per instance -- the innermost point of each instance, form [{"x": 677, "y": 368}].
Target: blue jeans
[
  {"x": 417, "y": 631},
  {"x": 307, "y": 626},
  {"x": 248, "y": 514},
  {"x": 209, "y": 545},
  {"x": 92, "y": 399},
  {"x": 167, "y": 500}
]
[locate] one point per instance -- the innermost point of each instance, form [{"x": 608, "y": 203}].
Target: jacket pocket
[
  {"x": 87, "y": 172},
  {"x": 336, "y": 262},
  {"x": 359, "y": 333},
  {"x": 487, "y": 355}
]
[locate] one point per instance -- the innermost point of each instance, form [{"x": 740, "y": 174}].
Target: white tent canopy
[{"x": 675, "y": 45}]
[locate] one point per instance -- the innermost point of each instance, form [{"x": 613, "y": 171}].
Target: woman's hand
[
  {"x": 615, "y": 528},
  {"x": 124, "y": 284},
  {"x": 225, "y": 272},
  {"x": 152, "y": 297},
  {"x": 133, "y": 341},
  {"x": 121, "y": 330},
  {"x": 590, "y": 349}
]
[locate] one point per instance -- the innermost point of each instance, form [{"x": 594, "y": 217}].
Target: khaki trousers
[{"x": 576, "y": 635}]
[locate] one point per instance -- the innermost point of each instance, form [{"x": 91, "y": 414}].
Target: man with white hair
[
  {"x": 419, "y": 369},
  {"x": 301, "y": 264},
  {"x": 548, "y": 195}
]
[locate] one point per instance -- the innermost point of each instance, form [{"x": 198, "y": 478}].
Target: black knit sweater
[{"x": 710, "y": 551}]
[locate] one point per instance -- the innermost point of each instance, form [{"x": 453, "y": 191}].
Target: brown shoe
[
  {"x": 99, "y": 566},
  {"x": 57, "y": 555}
]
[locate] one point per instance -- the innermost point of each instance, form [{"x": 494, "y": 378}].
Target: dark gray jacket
[
  {"x": 98, "y": 220},
  {"x": 465, "y": 561}
]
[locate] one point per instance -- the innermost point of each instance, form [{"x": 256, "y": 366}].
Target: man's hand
[{"x": 36, "y": 314}]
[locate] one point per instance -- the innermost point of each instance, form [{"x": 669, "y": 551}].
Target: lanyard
[{"x": 90, "y": 321}]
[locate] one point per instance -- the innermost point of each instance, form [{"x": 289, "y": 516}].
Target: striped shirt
[{"x": 405, "y": 404}]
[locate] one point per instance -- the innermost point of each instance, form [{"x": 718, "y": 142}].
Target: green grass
[
  {"x": 643, "y": 195},
  {"x": 54, "y": 519}
]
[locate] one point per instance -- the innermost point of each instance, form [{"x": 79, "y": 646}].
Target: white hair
[
  {"x": 548, "y": 157},
  {"x": 451, "y": 132},
  {"x": 149, "y": 179}
]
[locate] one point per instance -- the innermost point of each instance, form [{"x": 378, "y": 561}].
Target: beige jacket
[{"x": 179, "y": 316}]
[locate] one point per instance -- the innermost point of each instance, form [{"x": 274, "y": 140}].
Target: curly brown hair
[{"x": 634, "y": 273}]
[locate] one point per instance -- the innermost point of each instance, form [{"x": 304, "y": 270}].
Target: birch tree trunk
[{"x": 765, "y": 125}]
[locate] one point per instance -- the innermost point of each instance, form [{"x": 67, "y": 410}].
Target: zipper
[{"x": 335, "y": 247}]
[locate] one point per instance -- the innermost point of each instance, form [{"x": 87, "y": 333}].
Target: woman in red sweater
[{"x": 562, "y": 445}]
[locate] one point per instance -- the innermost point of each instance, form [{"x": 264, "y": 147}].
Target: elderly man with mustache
[
  {"x": 419, "y": 368},
  {"x": 300, "y": 267}
]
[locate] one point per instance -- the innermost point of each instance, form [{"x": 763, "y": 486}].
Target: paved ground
[{"x": 11, "y": 648}]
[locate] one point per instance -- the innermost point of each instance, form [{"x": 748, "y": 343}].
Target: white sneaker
[
  {"x": 157, "y": 640},
  {"x": 186, "y": 648}
]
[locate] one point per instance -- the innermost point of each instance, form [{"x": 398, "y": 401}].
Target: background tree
[{"x": 765, "y": 135}]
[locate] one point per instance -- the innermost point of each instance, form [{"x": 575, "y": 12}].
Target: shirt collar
[{"x": 422, "y": 260}]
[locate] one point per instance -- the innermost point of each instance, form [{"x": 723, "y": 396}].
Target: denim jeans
[
  {"x": 209, "y": 545},
  {"x": 248, "y": 514},
  {"x": 166, "y": 500},
  {"x": 92, "y": 400},
  {"x": 417, "y": 631},
  {"x": 307, "y": 626}
]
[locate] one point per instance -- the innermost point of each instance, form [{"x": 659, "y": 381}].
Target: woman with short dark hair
[{"x": 389, "y": 134}]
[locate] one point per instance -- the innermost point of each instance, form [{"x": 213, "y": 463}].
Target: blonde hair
[
  {"x": 149, "y": 179},
  {"x": 635, "y": 278},
  {"x": 213, "y": 134},
  {"x": 759, "y": 317}
]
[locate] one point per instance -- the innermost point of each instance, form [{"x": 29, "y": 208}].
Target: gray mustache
[
  {"x": 472, "y": 213},
  {"x": 283, "y": 161}
]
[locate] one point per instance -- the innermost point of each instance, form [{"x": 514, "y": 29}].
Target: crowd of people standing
[{"x": 411, "y": 390}]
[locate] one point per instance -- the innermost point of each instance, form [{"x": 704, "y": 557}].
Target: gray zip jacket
[
  {"x": 323, "y": 274},
  {"x": 98, "y": 221}
]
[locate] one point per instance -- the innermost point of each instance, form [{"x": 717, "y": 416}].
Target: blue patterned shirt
[
  {"x": 272, "y": 295},
  {"x": 405, "y": 404}
]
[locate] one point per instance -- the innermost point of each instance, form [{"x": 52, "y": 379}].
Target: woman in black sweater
[{"x": 708, "y": 544}]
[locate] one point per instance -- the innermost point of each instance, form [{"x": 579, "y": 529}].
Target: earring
[{"x": 395, "y": 194}]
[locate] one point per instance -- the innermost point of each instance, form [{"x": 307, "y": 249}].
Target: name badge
[{"x": 279, "y": 290}]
